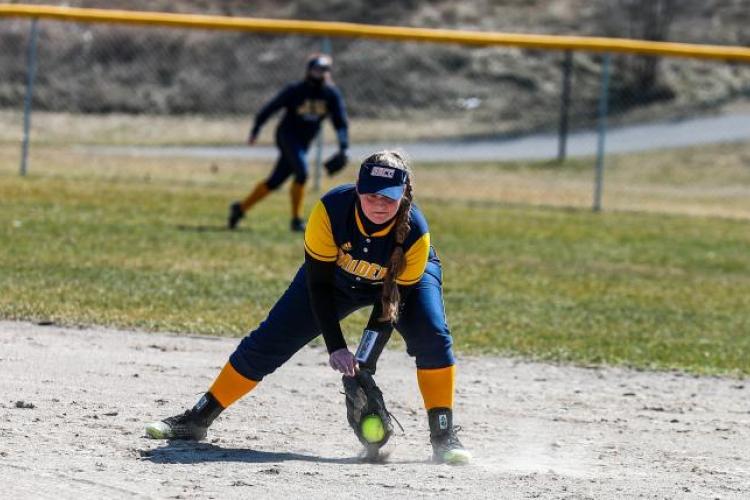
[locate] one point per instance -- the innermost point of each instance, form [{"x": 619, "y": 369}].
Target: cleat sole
[
  {"x": 158, "y": 430},
  {"x": 457, "y": 457}
]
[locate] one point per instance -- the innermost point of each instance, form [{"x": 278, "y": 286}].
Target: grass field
[{"x": 140, "y": 243}]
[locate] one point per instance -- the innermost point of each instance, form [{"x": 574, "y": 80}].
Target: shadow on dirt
[
  {"x": 177, "y": 452},
  {"x": 190, "y": 453}
]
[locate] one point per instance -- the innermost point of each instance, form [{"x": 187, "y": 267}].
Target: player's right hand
[{"x": 342, "y": 360}]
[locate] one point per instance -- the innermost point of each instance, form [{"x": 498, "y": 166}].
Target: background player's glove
[
  {"x": 363, "y": 398},
  {"x": 336, "y": 162}
]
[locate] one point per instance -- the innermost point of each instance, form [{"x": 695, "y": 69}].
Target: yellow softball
[{"x": 372, "y": 429}]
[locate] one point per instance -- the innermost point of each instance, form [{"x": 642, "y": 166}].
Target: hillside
[
  {"x": 106, "y": 68},
  {"x": 709, "y": 21}
]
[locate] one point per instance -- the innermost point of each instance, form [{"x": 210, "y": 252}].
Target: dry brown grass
[
  {"x": 122, "y": 129},
  {"x": 703, "y": 181}
]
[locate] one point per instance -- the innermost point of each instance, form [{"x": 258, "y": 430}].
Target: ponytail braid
[{"x": 391, "y": 296}]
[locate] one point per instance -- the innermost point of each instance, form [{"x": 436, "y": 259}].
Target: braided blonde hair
[{"x": 391, "y": 296}]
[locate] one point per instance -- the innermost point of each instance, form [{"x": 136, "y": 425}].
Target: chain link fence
[{"x": 109, "y": 84}]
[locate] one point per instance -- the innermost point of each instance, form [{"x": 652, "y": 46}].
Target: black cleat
[
  {"x": 297, "y": 225},
  {"x": 446, "y": 447},
  {"x": 183, "y": 426},
  {"x": 191, "y": 425},
  {"x": 235, "y": 214}
]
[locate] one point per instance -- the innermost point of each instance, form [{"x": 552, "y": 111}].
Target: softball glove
[
  {"x": 336, "y": 162},
  {"x": 364, "y": 398}
]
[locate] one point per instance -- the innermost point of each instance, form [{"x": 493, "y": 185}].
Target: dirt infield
[{"x": 74, "y": 403}]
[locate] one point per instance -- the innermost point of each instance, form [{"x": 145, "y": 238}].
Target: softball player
[
  {"x": 306, "y": 104},
  {"x": 365, "y": 245}
]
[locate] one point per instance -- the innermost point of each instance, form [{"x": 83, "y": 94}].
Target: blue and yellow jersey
[
  {"x": 306, "y": 106},
  {"x": 336, "y": 233}
]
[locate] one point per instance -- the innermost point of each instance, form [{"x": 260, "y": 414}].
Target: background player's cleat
[
  {"x": 235, "y": 214},
  {"x": 446, "y": 447},
  {"x": 184, "y": 426},
  {"x": 297, "y": 225}
]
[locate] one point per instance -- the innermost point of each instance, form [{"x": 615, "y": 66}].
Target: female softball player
[
  {"x": 306, "y": 104},
  {"x": 365, "y": 245}
]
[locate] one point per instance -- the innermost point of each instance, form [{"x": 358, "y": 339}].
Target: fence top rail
[{"x": 354, "y": 30}]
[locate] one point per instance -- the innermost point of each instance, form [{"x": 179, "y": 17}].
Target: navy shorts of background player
[
  {"x": 348, "y": 261},
  {"x": 306, "y": 104}
]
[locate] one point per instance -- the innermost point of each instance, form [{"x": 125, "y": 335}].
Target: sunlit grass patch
[{"x": 140, "y": 243}]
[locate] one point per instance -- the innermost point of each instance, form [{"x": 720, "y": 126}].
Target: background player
[
  {"x": 306, "y": 104},
  {"x": 365, "y": 245}
]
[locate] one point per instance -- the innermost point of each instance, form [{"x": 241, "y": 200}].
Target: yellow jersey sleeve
[
  {"x": 416, "y": 261},
  {"x": 319, "y": 241}
]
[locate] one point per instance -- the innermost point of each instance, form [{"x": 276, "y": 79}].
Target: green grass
[{"x": 139, "y": 244}]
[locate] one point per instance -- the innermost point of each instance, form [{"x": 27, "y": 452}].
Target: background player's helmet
[
  {"x": 319, "y": 61},
  {"x": 318, "y": 67}
]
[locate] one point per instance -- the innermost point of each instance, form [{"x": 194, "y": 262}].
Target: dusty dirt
[{"x": 73, "y": 404}]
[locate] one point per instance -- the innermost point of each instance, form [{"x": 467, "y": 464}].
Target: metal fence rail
[{"x": 204, "y": 77}]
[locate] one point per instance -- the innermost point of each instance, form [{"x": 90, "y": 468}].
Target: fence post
[
  {"x": 326, "y": 49},
  {"x": 31, "y": 75},
  {"x": 601, "y": 133},
  {"x": 562, "y": 140}
]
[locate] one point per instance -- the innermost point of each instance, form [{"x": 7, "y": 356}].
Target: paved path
[{"x": 660, "y": 135}]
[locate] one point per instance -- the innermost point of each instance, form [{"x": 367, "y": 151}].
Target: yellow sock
[
  {"x": 297, "y": 192},
  {"x": 437, "y": 386},
  {"x": 260, "y": 192},
  {"x": 230, "y": 386}
]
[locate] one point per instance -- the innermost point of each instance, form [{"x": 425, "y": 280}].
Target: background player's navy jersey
[{"x": 306, "y": 105}]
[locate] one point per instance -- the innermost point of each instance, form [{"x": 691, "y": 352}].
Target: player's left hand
[{"x": 342, "y": 360}]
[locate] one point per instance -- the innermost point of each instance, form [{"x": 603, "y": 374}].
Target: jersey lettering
[
  {"x": 312, "y": 109},
  {"x": 383, "y": 172},
  {"x": 361, "y": 268}
]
